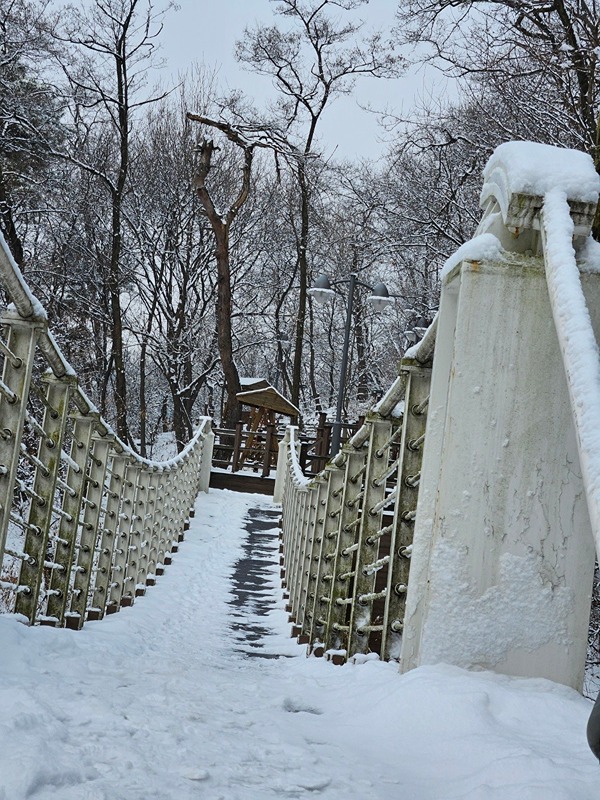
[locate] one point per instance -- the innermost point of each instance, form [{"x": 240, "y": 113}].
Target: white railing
[
  {"x": 85, "y": 524},
  {"x": 502, "y": 562}
]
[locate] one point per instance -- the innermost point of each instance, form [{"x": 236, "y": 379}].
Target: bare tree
[
  {"x": 221, "y": 223},
  {"x": 315, "y": 58},
  {"x": 542, "y": 58},
  {"x": 112, "y": 48},
  {"x": 30, "y": 114}
]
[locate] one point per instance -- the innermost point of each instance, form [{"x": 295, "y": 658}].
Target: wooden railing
[
  {"x": 239, "y": 448},
  {"x": 347, "y": 533},
  {"x": 85, "y": 523}
]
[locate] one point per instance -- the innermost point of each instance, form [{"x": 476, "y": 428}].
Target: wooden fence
[
  {"x": 256, "y": 451},
  {"x": 347, "y": 533},
  {"x": 85, "y": 524}
]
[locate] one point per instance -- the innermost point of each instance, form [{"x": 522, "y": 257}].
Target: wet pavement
[{"x": 252, "y": 583}]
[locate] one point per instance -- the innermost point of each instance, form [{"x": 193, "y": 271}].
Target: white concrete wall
[{"x": 503, "y": 557}]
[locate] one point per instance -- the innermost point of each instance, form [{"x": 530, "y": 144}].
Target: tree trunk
[
  {"x": 224, "y": 311},
  {"x": 302, "y": 246},
  {"x": 7, "y": 222}
]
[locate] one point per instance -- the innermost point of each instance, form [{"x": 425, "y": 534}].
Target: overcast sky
[{"x": 206, "y": 31}]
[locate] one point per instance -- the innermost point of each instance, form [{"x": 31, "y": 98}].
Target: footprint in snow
[
  {"x": 295, "y": 707},
  {"x": 197, "y": 775}
]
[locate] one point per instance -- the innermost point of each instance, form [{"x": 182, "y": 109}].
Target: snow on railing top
[
  {"x": 296, "y": 470},
  {"x": 577, "y": 342},
  {"x": 534, "y": 169},
  {"x": 25, "y": 305}
]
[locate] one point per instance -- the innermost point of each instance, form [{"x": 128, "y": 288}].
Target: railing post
[
  {"x": 411, "y": 451},
  {"x": 324, "y": 578},
  {"x": 268, "y": 446},
  {"x": 154, "y": 530},
  {"x": 368, "y": 546},
  {"x": 142, "y": 531},
  {"x": 44, "y": 486},
  {"x": 301, "y": 523},
  {"x": 336, "y": 630},
  {"x": 162, "y": 512},
  {"x": 75, "y": 617},
  {"x": 206, "y": 460},
  {"x": 108, "y": 540},
  {"x": 282, "y": 467},
  {"x": 237, "y": 446},
  {"x": 83, "y": 427},
  {"x": 131, "y": 531},
  {"x": 16, "y": 376},
  {"x": 313, "y": 555}
]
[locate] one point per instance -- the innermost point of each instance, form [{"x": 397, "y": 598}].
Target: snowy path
[{"x": 168, "y": 700}]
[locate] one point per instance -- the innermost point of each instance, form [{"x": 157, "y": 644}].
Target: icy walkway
[{"x": 167, "y": 700}]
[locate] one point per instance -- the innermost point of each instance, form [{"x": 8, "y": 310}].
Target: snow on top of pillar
[
  {"x": 520, "y": 174},
  {"x": 484, "y": 247},
  {"x": 534, "y": 169}
]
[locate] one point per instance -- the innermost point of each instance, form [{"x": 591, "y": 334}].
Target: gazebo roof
[{"x": 270, "y": 399}]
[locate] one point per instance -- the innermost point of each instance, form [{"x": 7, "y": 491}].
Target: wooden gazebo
[{"x": 265, "y": 404}]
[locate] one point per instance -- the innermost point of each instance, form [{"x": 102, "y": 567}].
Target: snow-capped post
[
  {"x": 503, "y": 553},
  {"x": 282, "y": 467},
  {"x": 206, "y": 458}
]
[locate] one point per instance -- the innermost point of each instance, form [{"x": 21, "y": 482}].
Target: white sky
[{"x": 205, "y": 31}]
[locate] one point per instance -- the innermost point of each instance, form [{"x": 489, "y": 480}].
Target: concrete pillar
[{"x": 503, "y": 555}]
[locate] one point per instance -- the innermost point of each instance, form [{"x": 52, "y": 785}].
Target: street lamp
[{"x": 322, "y": 292}]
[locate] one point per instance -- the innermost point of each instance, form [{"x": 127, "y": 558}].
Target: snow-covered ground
[{"x": 167, "y": 700}]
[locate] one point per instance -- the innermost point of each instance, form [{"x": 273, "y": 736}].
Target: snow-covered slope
[{"x": 162, "y": 701}]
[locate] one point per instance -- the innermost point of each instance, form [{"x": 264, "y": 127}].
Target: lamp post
[{"x": 322, "y": 292}]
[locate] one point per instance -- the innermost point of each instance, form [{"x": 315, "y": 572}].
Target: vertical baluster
[
  {"x": 180, "y": 507},
  {"x": 162, "y": 516},
  {"x": 307, "y": 524},
  {"x": 44, "y": 486},
  {"x": 118, "y": 485},
  {"x": 89, "y": 530},
  {"x": 166, "y": 500},
  {"x": 16, "y": 375},
  {"x": 131, "y": 531},
  {"x": 83, "y": 427},
  {"x": 368, "y": 549},
  {"x": 169, "y": 514},
  {"x": 141, "y": 531},
  {"x": 324, "y": 582},
  {"x": 108, "y": 538},
  {"x": 411, "y": 448},
  {"x": 336, "y": 637},
  {"x": 154, "y": 523},
  {"x": 301, "y": 499},
  {"x": 314, "y": 552}
]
